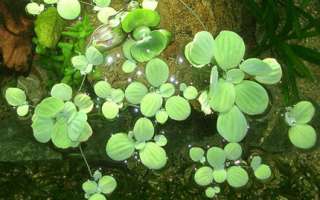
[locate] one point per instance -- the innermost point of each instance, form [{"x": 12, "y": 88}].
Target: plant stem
[
  {"x": 82, "y": 82},
  {"x": 194, "y": 14},
  {"x": 85, "y": 160}
]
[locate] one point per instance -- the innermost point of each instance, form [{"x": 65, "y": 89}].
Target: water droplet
[
  {"x": 136, "y": 110},
  {"x": 109, "y": 60},
  {"x": 139, "y": 73},
  {"x": 189, "y": 145},
  {"x": 176, "y": 82},
  {"x": 129, "y": 80},
  {"x": 172, "y": 79}
]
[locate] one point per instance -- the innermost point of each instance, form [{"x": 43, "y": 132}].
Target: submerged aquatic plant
[{"x": 234, "y": 91}]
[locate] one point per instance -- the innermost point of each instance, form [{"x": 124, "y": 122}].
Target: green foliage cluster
[
  {"x": 282, "y": 24},
  {"x": 234, "y": 91}
]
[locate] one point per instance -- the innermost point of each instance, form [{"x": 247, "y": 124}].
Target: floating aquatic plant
[
  {"x": 85, "y": 63},
  {"x": 17, "y": 98},
  {"x": 301, "y": 134},
  {"x": 122, "y": 146}
]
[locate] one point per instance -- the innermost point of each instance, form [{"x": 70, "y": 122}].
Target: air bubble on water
[
  {"x": 118, "y": 55},
  {"x": 136, "y": 110},
  {"x": 176, "y": 82},
  {"x": 139, "y": 72},
  {"x": 135, "y": 157},
  {"x": 109, "y": 60},
  {"x": 237, "y": 162},
  {"x": 208, "y": 146},
  {"x": 162, "y": 132},
  {"x": 148, "y": 50},
  {"x": 125, "y": 162},
  {"x": 180, "y": 59},
  {"x": 130, "y": 80},
  {"x": 172, "y": 79},
  {"x": 97, "y": 106},
  {"x": 189, "y": 145}
]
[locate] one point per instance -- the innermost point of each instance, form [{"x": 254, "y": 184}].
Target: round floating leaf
[
  {"x": 129, "y": 66},
  {"x": 167, "y": 90},
  {"x": 235, "y": 76},
  {"x": 105, "y": 14},
  {"x": 59, "y": 135},
  {"x": 23, "y": 110},
  {"x": 140, "y": 17},
  {"x": 90, "y": 187},
  {"x": 86, "y": 133},
  {"x": 302, "y": 136},
  {"x": 42, "y": 128},
  {"x": 76, "y": 125},
  {"x": 49, "y": 107},
  {"x": 143, "y": 130},
  {"x": 34, "y": 8},
  {"x": 232, "y": 125},
  {"x": 196, "y": 154},
  {"x": 302, "y": 112},
  {"x": 80, "y": 62},
  {"x": 204, "y": 102},
  {"x": 102, "y": 89},
  {"x": 110, "y": 110},
  {"x": 126, "y": 48},
  {"x": 153, "y": 156},
  {"x": 255, "y": 162},
  {"x": 83, "y": 102},
  {"x": 94, "y": 56},
  {"x": 150, "y": 4},
  {"x": 210, "y": 192},
  {"x": 62, "y": 91},
  {"x": 161, "y": 140},
  {"x": 229, "y": 50},
  {"x": 255, "y": 67},
  {"x": 182, "y": 87},
  {"x": 201, "y": 49},
  {"x": 149, "y": 47},
  {"x": 203, "y": 176},
  {"x": 223, "y": 96},
  {"x": 162, "y": 116},
  {"x": 216, "y": 157},
  {"x": 117, "y": 95},
  {"x": 178, "y": 108},
  {"x": 150, "y": 104},
  {"x": 190, "y": 93},
  {"x": 120, "y": 147},
  {"x": 97, "y": 175},
  {"x": 15, "y": 96},
  {"x": 107, "y": 184},
  {"x": 157, "y": 72},
  {"x": 69, "y": 9},
  {"x": 135, "y": 92},
  {"x": 233, "y": 151},
  {"x": 141, "y": 32},
  {"x": 237, "y": 176},
  {"x": 102, "y": 3},
  {"x": 251, "y": 98},
  {"x": 68, "y": 111},
  {"x": 274, "y": 76},
  {"x": 188, "y": 56},
  {"x": 219, "y": 175},
  {"x": 140, "y": 145},
  {"x": 50, "y": 1},
  {"x": 263, "y": 172},
  {"x": 97, "y": 196}
]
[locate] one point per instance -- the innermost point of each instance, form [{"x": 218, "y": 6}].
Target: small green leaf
[
  {"x": 126, "y": 48},
  {"x": 117, "y": 95},
  {"x": 167, "y": 90},
  {"x": 178, "y": 108},
  {"x": 233, "y": 151},
  {"x": 143, "y": 130},
  {"x": 162, "y": 116},
  {"x": 216, "y": 157},
  {"x": 97, "y": 196},
  {"x": 263, "y": 172},
  {"x": 34, "y": 8},
  {"x": 129, "y": 66},
  {"x": 255, "y": 162},
  {"x": 303, "y": 136},
  {"x": 89, "y": 187},
  {"x": 237, "y": 176},
  {"x": 190, "y": 93},
  {"x": 151, "y": 104},
  {"x": 102, "y": 3},
  {"x": 161, "y": 140},
  {"x": 15, "y": 96},
  {"x": 59, "y": 135},
  {"x": 120, "y": 147},
  {"x": 232, "y": 125},
  {"x": 62, "y": 91},
  {"x": 302, "y": 112},
  {"x": 274, "y": 76},
  {"x": 203, "y": 176},
  {"x": 210, "y": 192},
  {"x": 110, "y": 110},
  {"x": 196, "y": 154},
  {"x": 140, "y": 17},
  {"x": 102, "y": 89},
  {"x": 69, "y": 9},
  {"x": 153, "y": 156},
  {"x": 251, "y": 98},
  {"x": 229, "y": 50},
  {"x": 107, "y": 184},
  {"x": 94, "y": 56},
  {"x": 80, "y": 62},
  {"x": 76, "y": 126},
  {"x": 49, "y": 107},
  {"x": 135, "y": 92},
  {"x": 140, "y": 32},
  {"x": 157, "y": 72},
  {"x": 42, "y": 128},
  {"x": 223, "y": 96},
  {"x": 255, "y": 67},
  {"x": 219, "y": 175},
  {"x": 235, "y": 76},
  {"x": 83, "y": 102},
  {"x": 23, "y": 110}
]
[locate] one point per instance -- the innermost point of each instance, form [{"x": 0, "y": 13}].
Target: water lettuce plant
[{"x": 235, "y": 91}]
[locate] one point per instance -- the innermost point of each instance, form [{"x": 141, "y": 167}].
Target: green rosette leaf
[
  {"x": 102, "y": 89},
  {"x": 83, "y": 102},
  {"x": 135, "y": 92},
  {"x": 140, "y": 17},
  {"x": 274, "y": 76},
  {"x": 233, "y": 151},
  {"x": 216, "y": 157},
  {"x": 151, "y": 104},
  {"x": 303, "y": 136},
  {"x": 255, "y": 67},
  {"x": 42, "y": 128},
  {"x": 196, "y": 154},
  {"x": 167, "y": 90},
  {"x": 69, "y": 9},
  {"x": 153, "y": 156},
  {"x": 110, "y": 110},
  {"x": 49, "y": 107},
  {"x": 143, "y": 130},
  {"x": 62, "y": 91},
  {"x": 178, "y": 108},
  {"x": 235, "y": 76},
  {"x": 223, "y": 96},
  {"x": 157, "y": 72},
  {"x": 15, "y": 96},
  {"x": 237, "y": 177},
  {"x": 302, "y": 112},
  {"x": 60, "y": 136},
  {"x": 263, "y": 172},
  {"x": 120, "y": 147},
  {"x": 203, "y": 176},
  {"x": 107, "y": 184}
]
